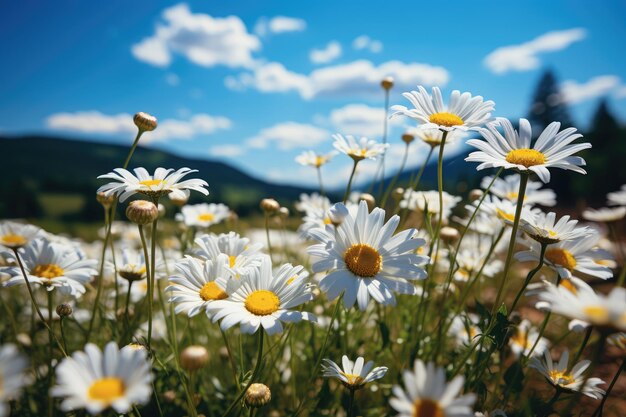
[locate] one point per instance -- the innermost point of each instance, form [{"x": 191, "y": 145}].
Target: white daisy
[
  {"x": 617, "y": 198},
  {"x": 96, "y": 380},
  {"x": 507, "y": 188},
  {"x": 164, "y": 181},
  {"x": 310, "y": 158},
  {"x": 54, "y": 266},
  {"x": 524, "y": 338},
  {"x": 559, "y": 374},
  {"x": 366, "y": 260},
  {"x": 501, "y": 209},
  {"x": 242, "y": 255},
  {"x": 471, "y": 257},
  {"x": 463, "y": 112},
  {"x": 199, "y": 283},
  {"x": 12, "y": 376},
  {"x": 15, "y": 235},
  {"x": 433, "y": 136},
  {"x": 605, "y": 214},
  {"x": 133, "y": 265},
  {"x": 361, "y": 149},
  {"x": 203, "y": 215},
  {"x": 422, "y": 200},
  {"x": 464, "y": 329},
  {"x": 265, "y": 299},
  {"x": 541, "y": 227},
  {"x": 312, "y": 202},
  {"x": 354, "y": 375},
  {"x": 513, "y": 150},
  {"x": 427, "y": 394}
]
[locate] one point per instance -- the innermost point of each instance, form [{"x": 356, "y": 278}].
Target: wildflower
[
  {"x": 163, "y": 182},
  {"x": 15, "y": 235},
  {"x": 145, "y": 122},
  {"x": 617, "y": 198},
  {"x": 559, "y": 375},
  {"x": 463, "y": 112},
  {"x": 501, "y": 209},
  {"x": 142, "y": 212},
  {"x": 265, "y": 299},
  {"x": 429, "y": 201},
  {"x": 427, "y": 394},
  {"x": 513, "y": 150},
  {"x": 96, "y": 380},
  {"x": 524, "y": 338},
  {"x": 257, "y": 395},
  {"x": 310, "y": 158},
  {"x": 366, "y": 259},
  {"x": 507, "y": 188},
  {"x": 242, "y": 255},
  {"x": 361, "y": 149},
  {"x": 464, "y": 329},
  {"x": 133, "y": 265},
  {"x": 354, "y": 375},
  {"x": 13, "y": 365},
  {"x": 473, "y": 255},
  {"x": 605, "y": 214},
  {"x": 203, "y": 215},
  {"x": 542, "y": 228},
  {"x": 194, "y": 357}
]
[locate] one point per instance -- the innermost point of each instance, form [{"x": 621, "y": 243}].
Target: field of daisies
[{"x": 397, "y": 301}]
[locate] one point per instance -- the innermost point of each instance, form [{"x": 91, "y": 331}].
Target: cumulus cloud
[
  {"x": 573, "y": 92},
  {"x": 329, "y": 53},
  {"x": 525, "y": 57},
  {"x": 202, "y": 39},
  {"x": 357, "y": 78},
  {"x": 365, "y": 42},
  {"x": 279, "y": 24},
  {"x": 289, "y": 135},
  {"x": 94, "y": 122},
  {"x": 226, "y": 150},
  {"x": 360, "y": 120}
]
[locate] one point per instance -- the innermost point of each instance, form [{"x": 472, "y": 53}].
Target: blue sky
[{"x": 239, "y": 80}]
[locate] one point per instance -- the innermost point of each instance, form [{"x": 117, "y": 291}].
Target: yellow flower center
[
  {"x": 520, "y": 338},
  {"x": 561, "y": 257},
  {"x": 48, "y": 271},
  {"x": 231, "y": 260},
  {"x": 464, "y": 274},
  {"x": 13, "y": 240},
  {"x": 597, "y": 314},
  {"x": 431, "y": 140},
  {"x": 151, "y": 183},
  {"x": 363, "y": 260},
  {"x": 560, "y": 377},
  {"x": 446, "y": 119},
  {"x": 505, "y": 216},
  {"x": 327, "y": 220},
  {"x": 569, "y": 285},
  {"x": 425, "y": 407},
  {"x": 353, "y": 379},
  {"x": 319, "y": 161},
  {"x": 106, "y": 389},
  {"x": 526, "y": 157},
  {"x": 262, "y": 302},
  {"x": 206, "y": 217},
  {"x": 212, "y": 291}
]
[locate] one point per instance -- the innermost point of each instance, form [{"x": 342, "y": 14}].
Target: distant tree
[{"x": 547, "y": 105}]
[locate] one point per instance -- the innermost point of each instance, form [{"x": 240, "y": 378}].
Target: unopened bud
[
  {"x": 179, "y": 199},
  {"x": 398, "y": 193},
  {"x": 475, "y": 194},
  {"x": 283, "y": 212},
  {"x": 194, "y": 357},
  {"x": 64, "y": 310},
  {"x": 408, "y": 138},
  {"x": 142, "y": 212},
  {"x": 449, "y": 234},
  {"x": 387, "y": 83},
  {"x": 257, "y": 395},
  {"x": 145, "y": 122},
  {"x": 104, "y": 200},
  {"x": 269, "y": 205},
  {"x": 369, "y": 199}
]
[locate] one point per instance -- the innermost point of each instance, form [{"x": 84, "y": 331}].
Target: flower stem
[
  {"x": 351, "y": 404},
  {"x": 50, "y": 354},
  {"x": 319, "y": 179},
  {"x": 108, "y": 222},
  {"x": 529, "y": 277},
  {"x": 267, "y": 235},
  {"x": 608, "y": 391},
  {"x": 152, "y": 276},
  {"x": 349, "y": 187},
  {"x": 395, "y": 177}
]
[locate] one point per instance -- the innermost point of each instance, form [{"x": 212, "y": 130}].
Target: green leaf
[{"x": 384, "y": 334}]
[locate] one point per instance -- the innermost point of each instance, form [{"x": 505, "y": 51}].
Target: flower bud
[
  {"x": 194, "y": 357},
  {"x": 145, "y": 122},
  {"x": 408, "y": 138},
  {"x": 142, "y": 212},
  {"x": 179, "y": 199},
  {"x": 337, "y": 213},
  {"x": 449, "y": 234},
  {"x": 104, "y": 200},
  {"x": 398, "y": 193},
  {"x": 387, "y": 83},
  {"x": 64, "y": 310},
  {"x": 283, "y": 212},
  {"x": 257, "y": 395},
  {"x": 161, "y": 208},
  {"x": 269, "y": 205},
  {"x": 475, "y": 195},
  {"x": 369, "y": 199}
]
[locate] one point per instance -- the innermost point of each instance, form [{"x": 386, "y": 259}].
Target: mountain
[{"x": 54, "y": 177}]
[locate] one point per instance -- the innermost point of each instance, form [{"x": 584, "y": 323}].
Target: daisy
[
  {"x": 203, "y": 215},
  {"x": 242, "y": 255},
  {"x": 569, "y": 256},
  {"x": 464, "y": 329},
  {"x": 12, "y": 376},
  {"x": 501, "y": 209},
  {"x": 472, "y": 255},
  {"x": 164, "y": 181},
  {"x": 54, "y": 266},
  {"x": 542, "y": 228},
  {"x": 605, "y": 214},
  {"x": 310, "y": 158},
  {"x": 463, "y": 112},
  {"x": 354, "y": 375},
  {"x": 265, "y": 299},
  {"x": 513, "y": 150},
  {"x": 312, "y": 202},
  {"x": 96, "y": 380},
  {"x": 524, "y": 338},
  {"x": 133, "y": 265},
  {"x": 361, "y": 149},
  {"x": 507, "y": 188},
  {"x": 559, "y": 375},
  {"x": 422, "y": 200},
  {"x": 15, "y": 235},
  {"x": 366, "y": 260},
  {"x": 199, "y": 283},
  {"x": 617, "y": 198},
  {"x": 434, "y": 136},
  {"x": 427, "y": 394}
]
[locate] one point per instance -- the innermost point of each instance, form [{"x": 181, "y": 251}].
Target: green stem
[
  {"x": 351, "y": 404},
  {"x": 395, "y": 177},
  {"x": 108, "y": 222},
  {"x": 132, "y": 149},
  {"x": 608, "y": 391},
  {"x": 319, "y": 179},
  {"x": 349, "y": 187},
  {"x": 267, "y": 235},
  {"x": 152, "y": 276},
  {"x": 63, "y": 339},
  {"x": 583, "y": 344},
  {"x": 529, "y": 277},
  {"x": 50, "y": 354}
]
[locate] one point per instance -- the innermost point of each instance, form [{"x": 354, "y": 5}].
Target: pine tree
[{"x": 547, "y": 105}]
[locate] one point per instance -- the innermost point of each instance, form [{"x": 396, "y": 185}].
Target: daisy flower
[
  {"x": 361, "y": 149},
  {"x": 428, "y": 394},
  {"x": 541, "y": 227},
  {"x": 54, "y": 266},
  {"x": 312, "y": 159},
  {"x": 199, "y": 283},
  {"x": 96, "y": 380},
  {"x": 605, "y": 214},
  {"x": 513, "y": 150},
  {"x": 507, "y": 188},
  {"x": 569, "y": 256},
  {"x": 434, "y": 136},
  {"x": 12, "y": 376},
  {"x": 312, "y": 202},
  {"x": 471, "y": 257},
  {"x": 559, "y": 375},
  {"x": 422, "y": 200},
  {"x": 501, "y": 209},
  {"x": 617, "y": 198},
  {"x": 15, "y": 235},
  {"x": 265, "y": 299},
  {"x": 242, "y": 255},
  {"x": 354, "y": 375},
  {"x": 464, "y": 329},
  {"x": 164, "y": 181},
  {"x": 133, "y": 265},
  {"x": 463, "y": 112},
  {"x": 524, "y": 338},
  {"x": 203, "y": 215},
  {"x": 366, "y": 259}
]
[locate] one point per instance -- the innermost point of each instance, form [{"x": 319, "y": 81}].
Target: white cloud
[
  {"x": 202, "y": 39},
  {"x": 573, "y": 92},
  {"x": 331, "y": 52},
  {"x": 226, "y": 150},
  {"x": 279, "y": 24},
  {"x": 357, "y": 78},
  {"x": 524, "y": 57},
  {"x": 365, "y": 42},
  {"x": 94, "y": 122},
  {"x": 360, "y": 120},
  {"x": 289, "y": 135}
]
